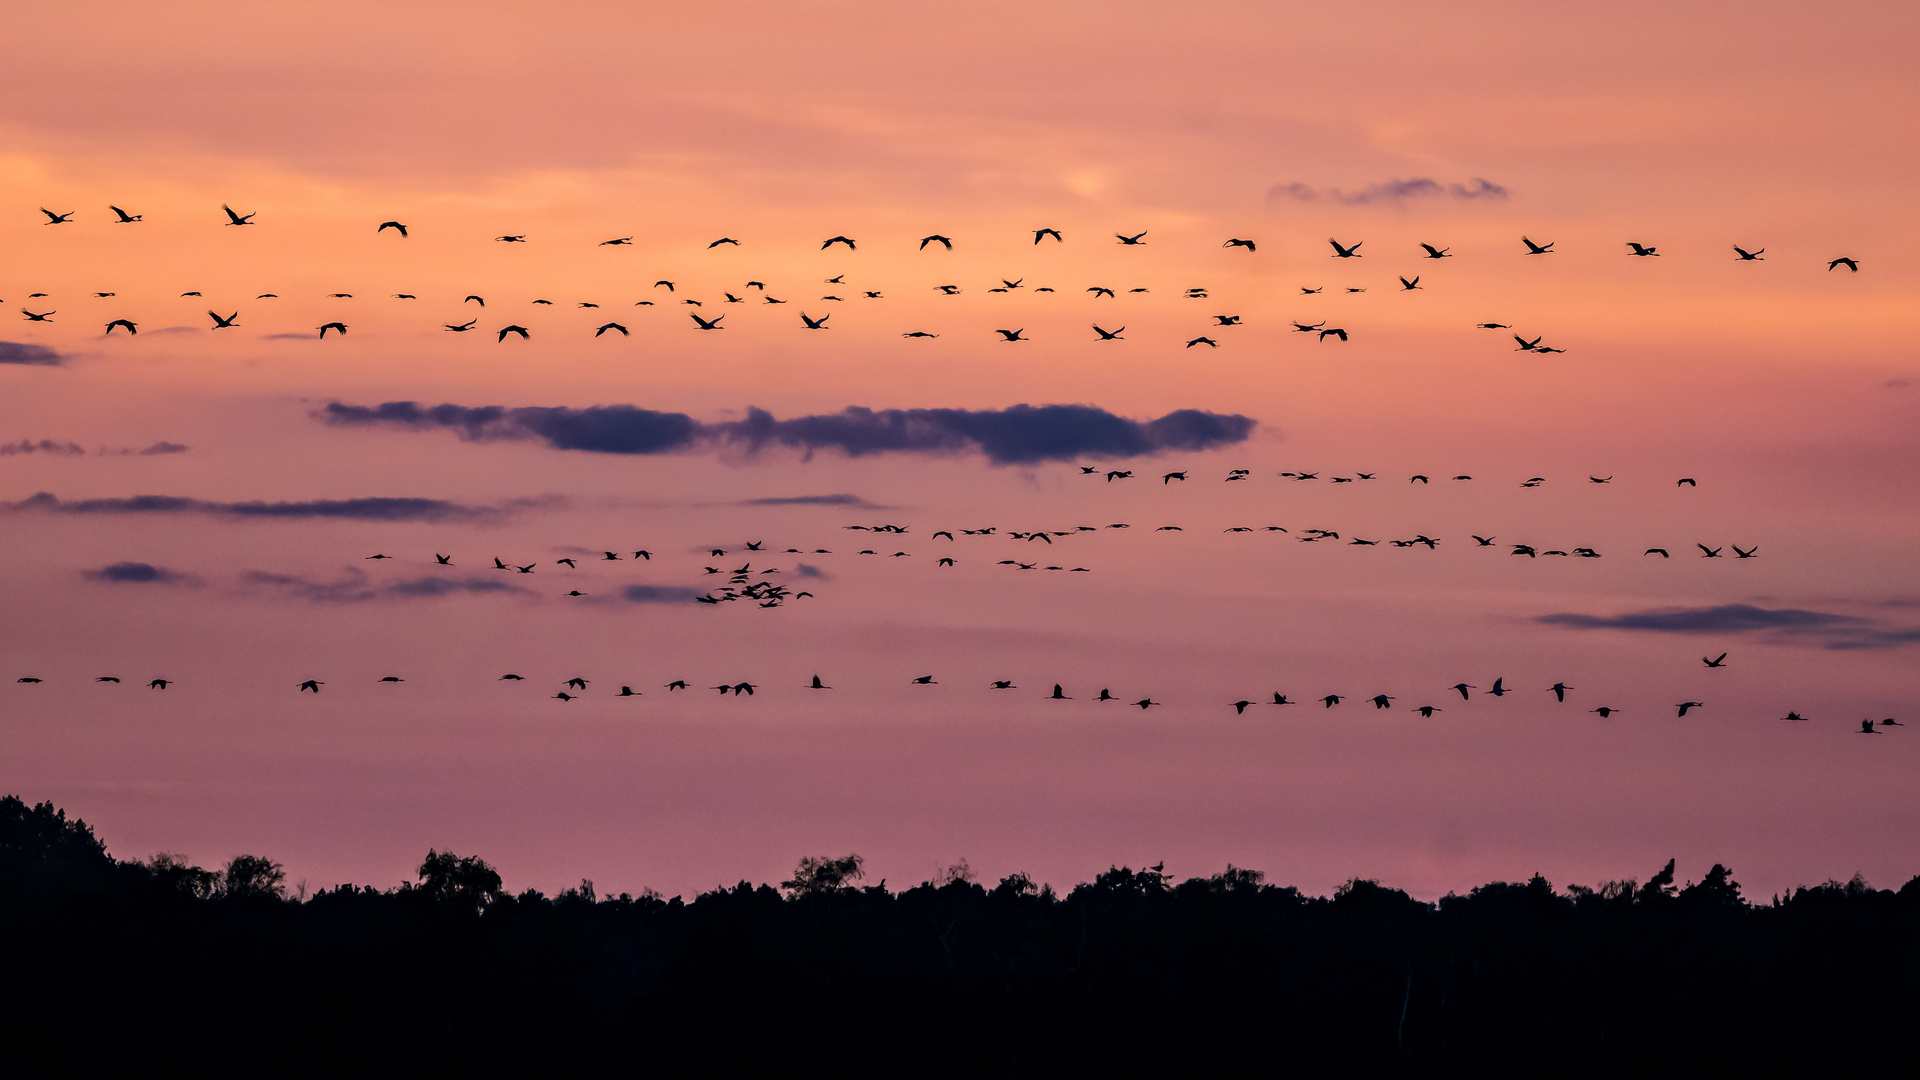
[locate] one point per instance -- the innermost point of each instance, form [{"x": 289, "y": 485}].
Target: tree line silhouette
[{"x": 161, "y": 964}]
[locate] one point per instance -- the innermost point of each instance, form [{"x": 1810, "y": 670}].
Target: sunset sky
[{"x": 1788, "y": 390}]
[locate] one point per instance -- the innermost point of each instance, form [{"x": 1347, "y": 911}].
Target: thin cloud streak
[
  {"x": 363, "y": 509},
  {"x": 1783, "y": 625},
  {"x": 353, "y": 587},
  {"x": 1393, "y": 191}
]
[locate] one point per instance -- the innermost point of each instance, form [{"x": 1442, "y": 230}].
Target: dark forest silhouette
[{"x": 163, "y": 965}]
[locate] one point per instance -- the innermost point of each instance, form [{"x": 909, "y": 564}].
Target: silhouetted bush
[{"x": 161, "y": 966}]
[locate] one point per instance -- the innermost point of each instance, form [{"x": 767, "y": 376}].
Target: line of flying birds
[
  {"x": 1139, "y": 239},
  {"x": 1320, "y": 330},
  {"x": 745, "y": 688}
]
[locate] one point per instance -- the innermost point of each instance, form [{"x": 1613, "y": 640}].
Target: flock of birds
[
  {"x": 745, "y": 584},
  {"x": 740, "y": 584},
  {"x": 576, "y": 687},
  {"x": 705, "y": 319}
]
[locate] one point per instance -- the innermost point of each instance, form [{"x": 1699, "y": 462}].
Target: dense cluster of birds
[
  {"x": 754, "y": 292},
  {"x": 577, "y": 686}
]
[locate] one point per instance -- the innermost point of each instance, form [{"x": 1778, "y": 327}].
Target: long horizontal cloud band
[
  {"x": 1020, "y": 433},
  {"x": 362, "y": 509}
]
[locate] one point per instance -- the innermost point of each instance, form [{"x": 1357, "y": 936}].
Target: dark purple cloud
[
  {"x": 139, "y": 573},
  {"x": 364, "y": 509},
  {"x": 1018, "y": 434},
  {"x": 164, "y": 447},
  {"x": 14, "y": 352}
]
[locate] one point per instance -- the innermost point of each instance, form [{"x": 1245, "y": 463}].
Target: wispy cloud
[
  {"x": 659, "y": 594},
  {"x": 139, "y": 573},
  {"x": 1389, "y": 191},
  {"x": 1826, "y": 629},
  {"x": 14, "y": 352},
  {"x": 1017, "y": 434},
  {"x": 353, "y": 586},
  {"x": 1724, "y": 619},
  {"x": 364, "y": 509},
  {"x": 72, "y": 449},
  {"x": 44, "y": 446}
]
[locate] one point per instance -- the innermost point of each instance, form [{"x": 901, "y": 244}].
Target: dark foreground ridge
[{"x": 161, "y": 966}]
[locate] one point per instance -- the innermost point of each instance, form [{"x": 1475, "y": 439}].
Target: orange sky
[{"x": 1787, "y": 389}]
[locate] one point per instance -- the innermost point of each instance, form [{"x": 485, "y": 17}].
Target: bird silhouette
[
  {"x": 1131, "y": 241},
  {"x": 677, "y": 684},
  {"x": 1851, "y": 264},
  {"x": 1537, "y": 249},
  {"x": 514, "y": 329},
  {"x": 816, "y": 324},
  {"x": 1744, "y": 553},
  {"x": 1707, "y": 552},
  {"x": 1237, "y": 242},
  {"x": 1207, "y": 341},
  {"x": 707, "y": 324},
  {"x": 1408, "y": 286},
  {"x": 1641, "y": 249},
  {"x": 337, "y": 327},
  {"x": 1499, "y": 689},
  {"x": 385, "y": 225},
  {"x": 1340, "y": 252},
  {"x": 1560, "y": 691},
  {"x": 1039, "y": 233},
  {"x": 1605, "y": 711},
  {"x": 1685, "y": 705},
  {"x": 159, "y": 684},
  {"x": 1013, "y": 335},
  {"x": 1437, "y": 253},
  {"x": 226, "y": 323},
  {"x": 1331, "y": 700},
  {"x": 936, "y": 238},
  {"x": 512, "y": 238},
  {"x": 510, "y": 677},
  {"x": 604, "y": 327},
  {"x": 311, "y": 685},
  {"x": 1719, "y": 661},
  {"x": 1145, "y": 703},
  {"x": 107, "y": 678},
  {"x": 125, "y": 218},
  {"x": 128, "y": 323},
  {"x": 1334, "y": 331},
  {"x": 832, "y": 240},
  {"x": 461, "y": 328},
  {"x": 237, "y": 219},
  {"x": 924, "y": 680},
  {"x": 1109, "y": 335},
  {"x": 1867, "y": 728}
]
